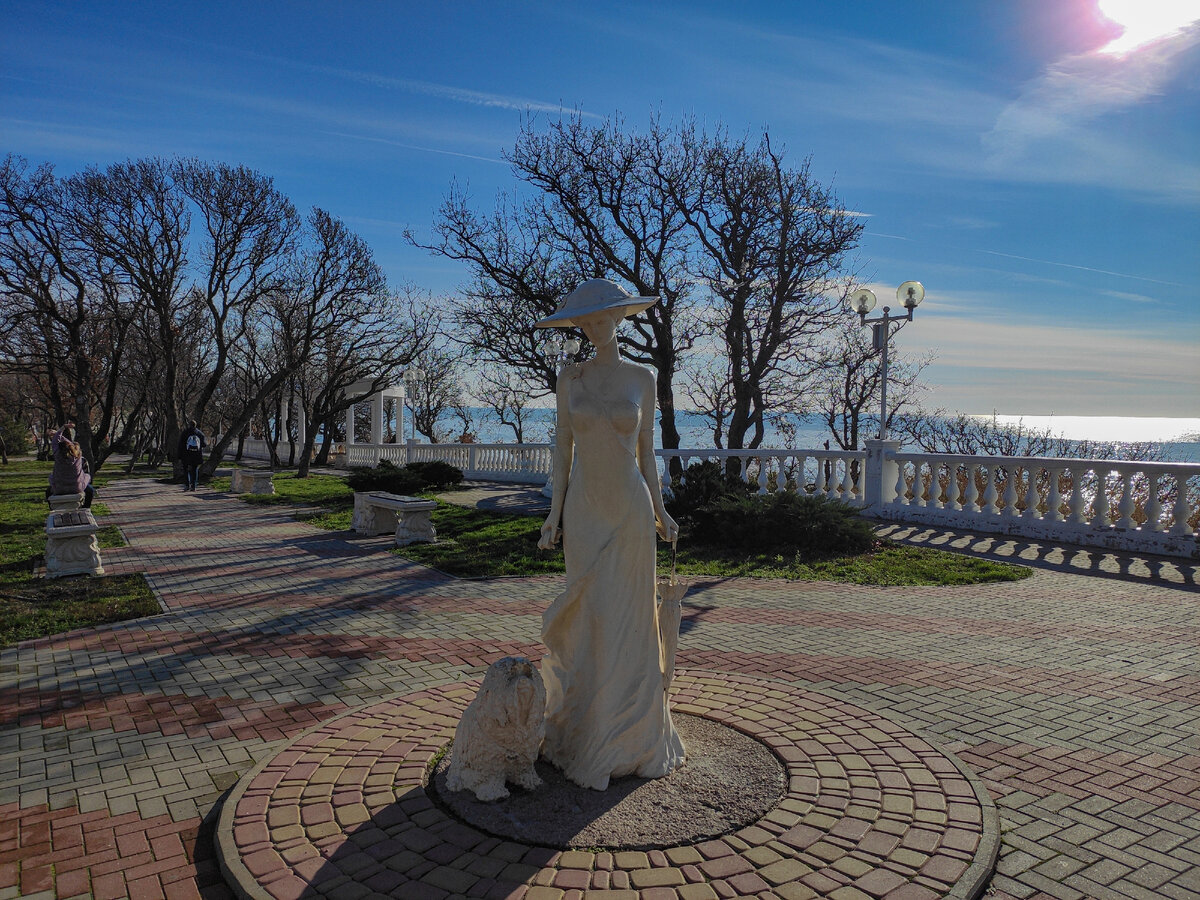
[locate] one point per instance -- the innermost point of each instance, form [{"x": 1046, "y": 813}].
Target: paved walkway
[{"x": 1075, "y": 697}]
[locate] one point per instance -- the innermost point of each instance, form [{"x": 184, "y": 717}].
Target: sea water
[{"x": 1179, "y": 438}]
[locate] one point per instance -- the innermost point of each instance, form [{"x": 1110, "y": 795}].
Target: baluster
[
  {"x": 1031, "y": 493},
  {"x": 1126, "y": 507},
  {"x": 1078, "y": 504},
  {"x": 798, "y": 463},
  {"x": 819, "y": 478},
  {"x": 918, "y": 484},
  {"x": 847, "y": 481},
  {"x": 762, "y": 474},
  {"x": 1153, "y": 505},
  {"x": 990, "y": 493},
  {"x": 901, "y": 483},
  {"x": 831, "y": 480},
  {"x": 1100, "y": 503},
  {"x": 954, "y": 490},
  {"x": 1010, "y": 492},
  {"x": 935, "y": 485},
  {"x": 972, "y": 491},
  {"x": 1054, "y": 495},
  {"x": 1180, "y": 513}
]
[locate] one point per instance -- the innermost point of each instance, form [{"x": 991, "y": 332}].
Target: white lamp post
[
  {"x": 412, "y": 378},
  {"x": 862, "y": 301}
]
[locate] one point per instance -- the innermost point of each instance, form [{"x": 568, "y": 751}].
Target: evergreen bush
[
  {"x": 386, "y": 477},
  {"x": 704, "y": 483},
  {"x": 783, "y": 522},
  {"x": 410, "y": 479},
  {"x": 436, "y": 473}
]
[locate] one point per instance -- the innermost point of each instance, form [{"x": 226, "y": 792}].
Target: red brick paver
[{"x": 1072, "y": 695}]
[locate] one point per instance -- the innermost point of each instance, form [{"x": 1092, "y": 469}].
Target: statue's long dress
[{"x": 606, "y": 707}]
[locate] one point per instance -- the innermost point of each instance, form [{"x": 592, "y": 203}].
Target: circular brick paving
[{"x": 871, "y": 811}]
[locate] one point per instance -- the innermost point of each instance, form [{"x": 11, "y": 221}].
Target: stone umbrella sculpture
[{"x": 607, "y": 714}]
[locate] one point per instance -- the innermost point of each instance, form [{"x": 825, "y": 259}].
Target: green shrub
[
  {"x": 782, "y": 522},
  {"x": 15, "y": 436},
  {"x": 386, "y": 477},
  {"x": 704, "y": 483},
  {"x": 436, "y": 473},
  {"x": 410, "y": 479}
]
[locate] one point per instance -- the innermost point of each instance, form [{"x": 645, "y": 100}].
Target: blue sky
[{"x": 1045, "y": 191}]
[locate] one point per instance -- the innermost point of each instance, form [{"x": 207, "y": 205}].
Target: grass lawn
[
  {"x": 34, "y": 607},
  {"x": 474, "y": 543}
]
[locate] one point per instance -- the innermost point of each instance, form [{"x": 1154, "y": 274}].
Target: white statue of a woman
[{"x": 606, "y": 709}]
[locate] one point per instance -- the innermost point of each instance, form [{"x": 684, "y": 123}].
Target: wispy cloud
[
  {"x": 1048, "y": 262},
  {"x": 451, "y": 93},
  {"x": 379, "y": 140},
  {"x": 1040, "y": 367},
  {"x": 1056, "y": 128}
]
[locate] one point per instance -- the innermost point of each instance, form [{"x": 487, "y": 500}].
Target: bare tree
[
  {"x": 66, "y": 318},
  {"x": 368, "y": 339},
  {"x": 603, "y": 210},
  {"x": 134, "y": 219},
  {"x": 774, "y": 243},
  {"x": 509, "y": 398},
  {"x": 438, "y": 391},
  {"x": 249, "y": 227},
  {"x": 334, "y": 289}
]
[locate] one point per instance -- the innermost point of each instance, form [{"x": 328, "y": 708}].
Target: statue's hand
[
  {"x": 550, "y": 534},
  {"x": 668, "y": 530}
]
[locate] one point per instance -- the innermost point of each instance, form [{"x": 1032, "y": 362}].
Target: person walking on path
[
  {"x": 191, "y": 453},
  {"x": 70, "y": 474}
]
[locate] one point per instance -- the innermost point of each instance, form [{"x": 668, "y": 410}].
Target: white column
[
  {"x": 350, "y": 425},
  {"x": 881, "y": 472},
  {"x": 377, "y": 418},
  {"x": 281, "y": 425}
]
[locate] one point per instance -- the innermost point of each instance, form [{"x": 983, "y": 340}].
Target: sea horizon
[{"x": 1178, "y": 437}]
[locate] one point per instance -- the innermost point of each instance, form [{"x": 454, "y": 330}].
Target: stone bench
[
  {"x": 64, "y": 502},
  {"x": 252, "y": 481},
  {"x": 409, "y": 518},
  {"x": 71, "y": 545}
]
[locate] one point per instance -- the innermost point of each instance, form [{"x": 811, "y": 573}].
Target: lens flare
[{"x": 1146, "y": 20}]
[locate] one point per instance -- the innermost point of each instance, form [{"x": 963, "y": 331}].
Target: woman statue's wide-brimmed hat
[{"x": 593, "y": 296}]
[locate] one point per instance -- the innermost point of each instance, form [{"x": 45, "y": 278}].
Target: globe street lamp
[
  {"x": 412, "y": 379},
  {"x": 559, "y": 351},
  {"x": 862, "y": 301}
]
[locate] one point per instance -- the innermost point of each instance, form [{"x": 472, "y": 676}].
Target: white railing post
[
  {"x": 1180, "y": 513},
  {"x": 1126, "y": 506},
  {"x": 880, "y": 472},
  {"x": 1153, "y": 508},
  {"x": 1010, "y": 492},
  {"x": 1100, "y": 502},
  {"x": 1031, "y": 493}
]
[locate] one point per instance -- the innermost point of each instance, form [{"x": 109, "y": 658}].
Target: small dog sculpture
[{"x": 500, "y": 734}]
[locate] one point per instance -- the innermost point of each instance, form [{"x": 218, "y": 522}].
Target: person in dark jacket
[{"x": 191, "y": 453}]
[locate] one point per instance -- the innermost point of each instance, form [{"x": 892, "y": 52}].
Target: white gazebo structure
[{"x": 377, "y": 403}]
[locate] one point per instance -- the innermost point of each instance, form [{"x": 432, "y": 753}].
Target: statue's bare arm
[
  {"x": 667, "y": 529},
  {"x": 564, "y": 453}
]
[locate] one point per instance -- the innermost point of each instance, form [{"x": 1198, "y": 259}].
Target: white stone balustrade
[
  {"x": 836, "y": 474},
  {"x": 1140, "y": 506},
  {"x": 1144, "y": 507}
]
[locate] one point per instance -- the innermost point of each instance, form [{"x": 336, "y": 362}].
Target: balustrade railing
[
  {"x": 1140, "y": 506},
  {"x": 836, "y": 474},
  {"x": 1147, "y": 506}
]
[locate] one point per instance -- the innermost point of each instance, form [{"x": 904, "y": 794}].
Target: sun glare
[{"x": 1146, "y": 20}]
